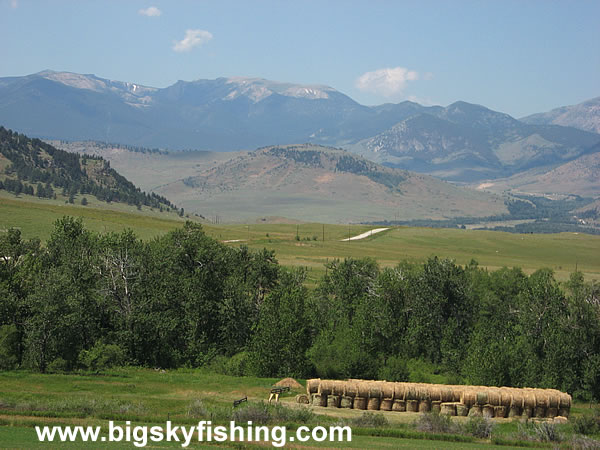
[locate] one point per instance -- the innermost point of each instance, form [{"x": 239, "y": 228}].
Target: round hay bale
[
  {"x": 527, "y": 412},
  {"x": 386, "y": 404},
  {"x": 539, "y": 411},
  {"x": 564, "y": 401},
  {"x": 500, "y": 411},
  {"x": 462, "y": 410},
  {"x": 505, "y": 397},
  {"x": 488, "y": 411},
  {"x": 373, "y": 403},
  {"x": 435, "y": 393},
  {"x": 412, "y": 406},
  {"x": 362, "y": 389},
  {"x": 338, "y": 387},
  {"x": 476, "y": 411},
  {"x": 457, "y": 393},
  {"x": 529, "y": 400},
  {"x": 482, "y": 397},
  {"x": 448, "y": 409},
  {"x": 312, "y": 386},
  {"x": 447, "y": 395},
  {"x": 351, "y": 388},
  {"x": 346, "y": 401},
  {"x": 468, "y": 397},
  {"x": 399, "y": 405},
  {"x": 551, "y": 412},
  {"x": 333, "y": 401},
  {"x": 319, "y": 399},
  {"x": 387, "y": 389},
  {"x": 423, "y": 392},
  {"x": 360, "y": 402},
  {"x": 424, "y": 406},
  {"x": 494, "y": 396},
  {"x": 302, "y": 398},
  {"x": 514, "y": 411},
  {"x": 410, "y": 392},
  {"x": 541, "y": 398},
  {"x": 517, "y": 398},
  {"x": 435, "y": 406},
  {"x": 289, "y": 382},
  {"x": 553, "y": 398},
  {"x": 325, "y": 387},
  {"x": 399, "y": 390},
  {"x": 375, "y": 390},
  {"x": 560, "y": 419}
]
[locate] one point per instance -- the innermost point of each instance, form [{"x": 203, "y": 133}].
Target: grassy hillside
[{"x": 35, "y": 217}]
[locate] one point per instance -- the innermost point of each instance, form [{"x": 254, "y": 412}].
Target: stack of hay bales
[{"x": 499, "y": 402}]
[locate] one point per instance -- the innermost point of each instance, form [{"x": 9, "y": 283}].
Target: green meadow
[
  {"x": 151, "y": 397},
  {"x": 313, "y": 245}
]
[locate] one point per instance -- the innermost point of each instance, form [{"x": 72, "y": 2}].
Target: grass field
[
  {"x": 151, "y": 397},
  {"x": 320, "y": 243}
]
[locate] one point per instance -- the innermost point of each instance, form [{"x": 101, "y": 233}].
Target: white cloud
[
  {"x": 151, "y": 11},
  {"x": 193, "y": 38},
  {"x": 386, "y": 82}
]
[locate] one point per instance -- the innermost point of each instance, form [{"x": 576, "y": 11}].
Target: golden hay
[
  {"x": 412, "y": 406},
  {"x": 386, "y": 404},
  {"x": 448, "y": 409},
  {"x": 312, "y": 386},
  {"x": 346, "y": 402},
  {"x": 289, "y": 382},
  {"x": 399, "y": 405},
  {"x": 373, "y": 403},
  {"x": 360, "y": 402}
]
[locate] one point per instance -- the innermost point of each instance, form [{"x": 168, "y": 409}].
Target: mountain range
[{"x": 461, "y": 142}]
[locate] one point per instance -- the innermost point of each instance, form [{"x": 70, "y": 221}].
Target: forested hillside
[
  {"x": 90, "y": 301},
  {"x": 33, "y": 167}
]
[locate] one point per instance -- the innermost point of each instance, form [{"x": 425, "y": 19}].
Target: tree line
[{"x": 87, "y": 300}]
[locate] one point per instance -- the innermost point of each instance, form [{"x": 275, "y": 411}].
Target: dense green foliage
[
  {"x": 35, "y": 163},
  {"x": 93, "y": 301}
]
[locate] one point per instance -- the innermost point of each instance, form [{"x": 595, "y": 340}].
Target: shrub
[
  {"x": 435, "y": 423},
  {"x": 258, "y": 413},
  {"x": 296, "y": 415},
  {"x": 587, "y": 424},
  {"x": 369, "y": 419},
  {"x": 59, "y": 365},
  {"x": 197, "y": 410},
  {"x": 237, "y": 365},
  {"x": 546, "y": 432},
  {"x": 479, "y": 427},
  {"x": 102, "y": 356}
]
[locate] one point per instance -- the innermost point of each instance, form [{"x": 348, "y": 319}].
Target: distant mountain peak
[
  {"x": 258, "y": 89},
  {"x": 585, "y": 116}
]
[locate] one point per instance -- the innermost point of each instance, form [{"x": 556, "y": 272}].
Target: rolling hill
[{"x": 315, "y": 183}]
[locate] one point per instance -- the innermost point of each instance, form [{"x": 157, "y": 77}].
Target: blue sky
[{"x": 518, "y": 57}]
